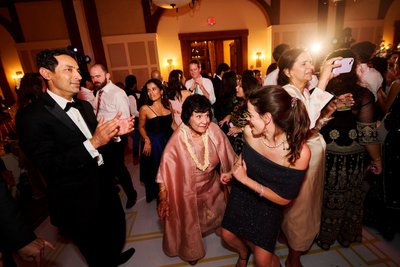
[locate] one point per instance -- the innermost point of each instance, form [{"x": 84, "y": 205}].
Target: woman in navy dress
[
  {"x": 268, "y": 174},
  {"x": 155, "y": 127}
]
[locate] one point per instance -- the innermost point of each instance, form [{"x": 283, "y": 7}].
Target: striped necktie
[{"x": 98, "y": 102}]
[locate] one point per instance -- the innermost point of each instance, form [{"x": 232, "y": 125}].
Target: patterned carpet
[{"x": 144, "y": 234}]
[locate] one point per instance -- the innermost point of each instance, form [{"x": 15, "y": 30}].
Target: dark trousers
[
  {"x": 102, "y": 241},
  {"x": 135, "y": 139},
  {"x": 115, "y": 160}
]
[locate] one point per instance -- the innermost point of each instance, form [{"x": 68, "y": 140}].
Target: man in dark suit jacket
[{"x": 66, "y": 143}]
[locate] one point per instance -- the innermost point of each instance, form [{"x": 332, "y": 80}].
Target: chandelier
[{"x": 171, "y": 4}]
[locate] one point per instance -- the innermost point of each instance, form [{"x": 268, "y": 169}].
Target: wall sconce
[
  {"x": 258, "y": 60},
  {"x": 17, "y": 78},
  {"x": 170, "y": 62}
]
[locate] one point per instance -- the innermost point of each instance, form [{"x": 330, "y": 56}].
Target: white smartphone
[{"x": 346, "y": 64}]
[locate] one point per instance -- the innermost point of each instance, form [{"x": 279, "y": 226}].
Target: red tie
[{"x": 98, "y": 102}]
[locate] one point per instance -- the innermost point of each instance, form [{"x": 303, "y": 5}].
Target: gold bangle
[{"x": 162, "y": 187}]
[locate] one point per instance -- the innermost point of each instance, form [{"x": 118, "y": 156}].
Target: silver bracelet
[{"x": 261, "y": 190}]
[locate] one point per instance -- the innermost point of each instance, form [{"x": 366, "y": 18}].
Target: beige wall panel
[
  {"x": 42, "y": 21},
  {"x": 27, "y": 52},
  {"x": 297, "y": 12},
  {"x": 137, "y": 53},
  {"x": 119, "y": 75},
  {"x": 152, "y": 52},
  {"x": 361, "y": 10},
  {"x": 142, "y": 75},
  {"x": 119, "y": 17},
  {"x": 289, "y": 37},
  {"x": 117, "y": 54},
  {"x": 368, "y": 30}
]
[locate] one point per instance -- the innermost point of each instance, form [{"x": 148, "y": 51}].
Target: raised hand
[
  {"x": 126, "y": 125},
  {"x": 105, "y": 131}
]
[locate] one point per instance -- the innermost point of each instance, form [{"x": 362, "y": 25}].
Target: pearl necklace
[
  {"x": 269, "y": 146},
  {"x": 192, "y": 154}
]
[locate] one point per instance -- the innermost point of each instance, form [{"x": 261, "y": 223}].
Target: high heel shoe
[
  {"x": 193, "y": 262},
  {"x": 242, "y": 259}
]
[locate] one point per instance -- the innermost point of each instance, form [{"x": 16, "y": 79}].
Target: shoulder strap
[{"x": 152, "y": 110}]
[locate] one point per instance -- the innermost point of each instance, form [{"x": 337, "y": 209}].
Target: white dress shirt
[
  {"x": 133, "y": 106},
  {"x": 77, "y": 118},
  {"x": 113, "y": 100},
  {"x": 207, "y": 83}
]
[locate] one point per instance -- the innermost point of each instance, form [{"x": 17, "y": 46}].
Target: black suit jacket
[{"x": 77, "y": 186}]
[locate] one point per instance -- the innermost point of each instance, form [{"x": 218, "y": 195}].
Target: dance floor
[{"x": 145, "y": 235}]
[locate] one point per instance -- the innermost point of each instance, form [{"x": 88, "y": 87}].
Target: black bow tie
[{"x": 72, "y": 105}]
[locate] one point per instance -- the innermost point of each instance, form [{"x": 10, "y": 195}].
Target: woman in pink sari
[{"x": 192, "y": 199}]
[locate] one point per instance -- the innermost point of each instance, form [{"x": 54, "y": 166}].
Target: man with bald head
[{"x": 110, "y": 100}]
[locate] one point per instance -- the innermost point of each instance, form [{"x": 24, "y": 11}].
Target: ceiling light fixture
[{"x": 172, "y": 4}]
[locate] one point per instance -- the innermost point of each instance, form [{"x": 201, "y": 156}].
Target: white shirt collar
[{"x": 62, "y": 102}]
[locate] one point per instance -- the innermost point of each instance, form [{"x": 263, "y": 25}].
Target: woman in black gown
[
  {"x": 268, "y": 174},
  {"x": 155, "y": 127}
]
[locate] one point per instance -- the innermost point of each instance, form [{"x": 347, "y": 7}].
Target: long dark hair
[
  {"x": 175, "y": 85},
  {"x": 30, "y": 89},
  {"x": 146, "y": 98},
  {"x": 286, "y": 61},
  {"x": 288, "y": 113}
]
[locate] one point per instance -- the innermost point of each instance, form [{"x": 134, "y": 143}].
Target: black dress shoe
[{"x": 125, "y": 256}]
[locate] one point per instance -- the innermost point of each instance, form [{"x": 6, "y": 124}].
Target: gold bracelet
[{"x": 162, "y": 187}]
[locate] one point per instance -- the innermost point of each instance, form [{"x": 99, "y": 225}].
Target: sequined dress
[{"x": 255, "y": 218}]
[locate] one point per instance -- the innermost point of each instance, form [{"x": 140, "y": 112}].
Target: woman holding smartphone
[{"x": 301, "y": 219}]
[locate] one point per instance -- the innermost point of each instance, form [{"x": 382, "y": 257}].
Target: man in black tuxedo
[{"x": 64, "y": 140}]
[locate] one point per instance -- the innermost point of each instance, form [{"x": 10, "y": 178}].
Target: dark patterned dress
[
  {"x": 238, "y": 119},
  {"x": 345, "y": 166},
  {"x": 255, "y": 218}
]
